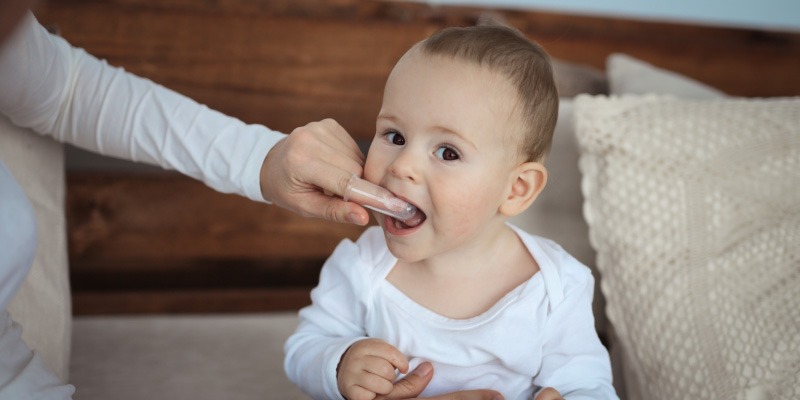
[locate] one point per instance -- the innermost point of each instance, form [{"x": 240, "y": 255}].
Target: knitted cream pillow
[{"x": 694, "y": 210}]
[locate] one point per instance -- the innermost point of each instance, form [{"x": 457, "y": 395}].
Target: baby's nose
[{"x": 406, "y": 166}]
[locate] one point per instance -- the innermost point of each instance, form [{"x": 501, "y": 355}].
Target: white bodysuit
[
  {"x": 540, "y": 334},
  {"x": 61, "y": 91}
]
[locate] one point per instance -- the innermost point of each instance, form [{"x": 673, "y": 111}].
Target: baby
[{"x": 467, "y": 118}]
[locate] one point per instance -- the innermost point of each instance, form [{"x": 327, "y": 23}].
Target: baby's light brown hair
[{"x": 524, "y": 63}]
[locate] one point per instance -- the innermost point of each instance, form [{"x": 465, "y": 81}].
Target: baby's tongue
[{"x": 416, "y": 219}]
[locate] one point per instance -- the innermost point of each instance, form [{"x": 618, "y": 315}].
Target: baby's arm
[
  {"x": 574, "y": 362},
  {"x": 329, "y": 326},
  {"x": 368, "y": 368}
]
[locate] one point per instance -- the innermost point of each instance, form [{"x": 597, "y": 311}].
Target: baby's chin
[{"x": 403, "y": 254}]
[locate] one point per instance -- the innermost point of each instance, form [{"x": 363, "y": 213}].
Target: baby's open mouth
[{"x": 418, "y": 218}]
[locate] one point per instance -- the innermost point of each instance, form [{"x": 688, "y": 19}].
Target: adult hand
[
  {"x": 549, "y": 394},
  {"x": 414, "y": 383},
  {"x": 301, "y": 170}
]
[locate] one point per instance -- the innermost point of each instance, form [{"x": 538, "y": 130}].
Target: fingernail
[
  {"x": 423, "y": 369},
  {"x": 354, "y": 218}
]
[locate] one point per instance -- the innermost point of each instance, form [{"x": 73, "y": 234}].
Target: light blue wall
[{"x": 763, "y": 14}]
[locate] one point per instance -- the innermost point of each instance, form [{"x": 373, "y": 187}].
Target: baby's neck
[{"x": 465, "y": 284}]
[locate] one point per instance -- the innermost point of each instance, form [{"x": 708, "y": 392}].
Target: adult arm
[{"x": 62, "y": 91}]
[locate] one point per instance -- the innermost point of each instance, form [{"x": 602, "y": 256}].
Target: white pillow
[
  {"x": 628, "y": 75},
  {"x": 694, "y": 209},
  {"x": 42, "y": 306}
]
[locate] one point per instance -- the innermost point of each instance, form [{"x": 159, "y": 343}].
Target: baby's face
[{"x": 442, "y": 143}]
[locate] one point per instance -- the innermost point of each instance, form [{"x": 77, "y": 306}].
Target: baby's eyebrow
[
  {"x": 389, "y": 117},
  {"x": 436, "y": 128},
  {"x": 453, "y": 132}
]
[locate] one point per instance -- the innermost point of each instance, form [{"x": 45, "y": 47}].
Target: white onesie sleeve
[
  {"x": 573, "y": 360},
  {"x": 62, "y": 91},
  {"x": 329, "y": 326}
]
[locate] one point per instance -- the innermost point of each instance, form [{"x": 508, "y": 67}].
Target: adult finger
[
  {"x": 412, "y": 384},
  {"x": 549, "y": 394},
  {"x": 346, "y": 142},
  {"x": 332, "y": 177},
  {"x": 331, "y": 208},
  {"x": 324, "y": 140},
  {"x": 470, "y": 395},
  {"x": 299, "y": 169}
]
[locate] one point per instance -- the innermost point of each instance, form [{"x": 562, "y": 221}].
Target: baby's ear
[{"x": 527, "y": 181}]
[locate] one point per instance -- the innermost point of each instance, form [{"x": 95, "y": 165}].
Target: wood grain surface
[{"x": 142, "y": 242}]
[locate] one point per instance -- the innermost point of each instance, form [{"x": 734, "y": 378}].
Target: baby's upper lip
[{"x": 401, "y": 197}]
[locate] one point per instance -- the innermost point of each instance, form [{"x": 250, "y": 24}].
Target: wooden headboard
[{"x": 153, "y": 242}]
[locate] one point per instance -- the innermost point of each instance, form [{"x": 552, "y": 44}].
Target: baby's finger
[
  {"x": 389, "y": 353},
  {"x": 380, "y": 367},
  {"x": 375, "y": 384}
]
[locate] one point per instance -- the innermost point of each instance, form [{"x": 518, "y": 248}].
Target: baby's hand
[
  {"x": 368, "y": 368},
  {"x": 549, "y": 394}
]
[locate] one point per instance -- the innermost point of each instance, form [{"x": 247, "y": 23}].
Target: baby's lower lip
[{"x": 395, "y": 227}]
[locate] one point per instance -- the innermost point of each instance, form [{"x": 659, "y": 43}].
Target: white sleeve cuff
[{"x": 251, "y": 179}]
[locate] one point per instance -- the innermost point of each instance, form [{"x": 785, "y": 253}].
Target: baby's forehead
[{"x": 498, "y": 84}]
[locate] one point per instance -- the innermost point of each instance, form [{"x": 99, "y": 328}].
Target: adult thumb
[
  {"x": 412, "y": 384},
  {"x": 334, "y": 209}
]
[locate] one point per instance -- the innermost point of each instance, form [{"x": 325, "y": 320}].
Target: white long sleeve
[
  {"x": 328, "y": 328},
  {"x": 62, "y": 91},
  {"x": 573, "y": 359},
  {"x": 541, "y": 334}
]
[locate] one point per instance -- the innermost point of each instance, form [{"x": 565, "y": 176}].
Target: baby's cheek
[
  {"x": 460, "y": 204},
  {"x": 371, "y": 172},
  {"x": 468, "y": 215}
]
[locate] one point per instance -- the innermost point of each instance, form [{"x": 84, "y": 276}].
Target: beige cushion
[
  {"x": 628, "y": 75},
  {"x": 573, "y": 79},
  {"x": 42, "y": 306},
  {"x": 694, "y": 210}
]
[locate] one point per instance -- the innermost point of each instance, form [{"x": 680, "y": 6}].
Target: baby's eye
[
  {"x": 395, "y": 138},
  {"x": 447, "y": 153}
]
